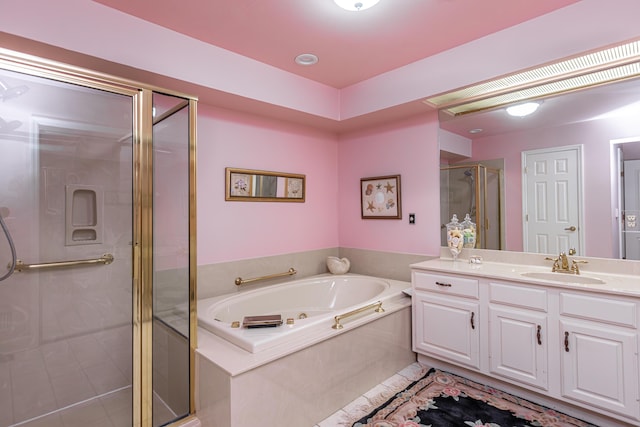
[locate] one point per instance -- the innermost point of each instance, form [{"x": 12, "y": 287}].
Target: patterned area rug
[{"x": 441, "y": 399}]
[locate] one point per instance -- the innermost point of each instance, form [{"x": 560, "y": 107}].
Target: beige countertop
[{"x": 617, "y": 284}]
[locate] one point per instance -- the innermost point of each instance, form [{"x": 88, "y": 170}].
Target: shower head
[
  {"x": 468, "y": 173},
  {"x": 7, "y": 92}
]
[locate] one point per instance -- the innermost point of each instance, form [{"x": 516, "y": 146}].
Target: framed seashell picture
[{"x": 380, "y": 197}]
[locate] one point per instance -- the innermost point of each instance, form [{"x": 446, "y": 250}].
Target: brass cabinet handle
[
  {"x": 539, "y": 335},
  {"x": 448, "y": 285},
  {"x": 566, "y": 341},
  {"x": 572, "y": 228},
  {"x": 473, "y": 325}
]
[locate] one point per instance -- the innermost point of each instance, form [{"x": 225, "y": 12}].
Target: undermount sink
[{"x": 564, "y": 277}]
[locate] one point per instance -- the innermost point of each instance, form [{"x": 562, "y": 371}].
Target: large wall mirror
[
  {"x": 250, "y": 185},
  {"x": 599, "y": 126}
]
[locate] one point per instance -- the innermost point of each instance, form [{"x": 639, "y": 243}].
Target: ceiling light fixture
[
  {"x": 356, "y": 5},
  {"x": 522, "y": 110},
  {"x": 306, "y": 59}
]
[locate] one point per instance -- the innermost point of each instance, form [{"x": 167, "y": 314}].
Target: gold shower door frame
[
  {"x": 142, "y": 253},
  {"x": 480, "y": 176}
]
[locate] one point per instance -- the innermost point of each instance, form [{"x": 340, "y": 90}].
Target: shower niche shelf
[{"x": 83, "y": 215}]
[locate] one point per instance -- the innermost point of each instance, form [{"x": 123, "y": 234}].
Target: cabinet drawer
[
  {"x": 518, "y": 296},
  {"x": 451, "y": 285},
  {"x": 616, "y": 312}
]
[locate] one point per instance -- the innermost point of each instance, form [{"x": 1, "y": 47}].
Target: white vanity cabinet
[
  {"x": 599, "y": 361},
  {"x": 573, "y": 344},
  {"x": 446, "y": 321},
  {"x": 518, "y": 333}
]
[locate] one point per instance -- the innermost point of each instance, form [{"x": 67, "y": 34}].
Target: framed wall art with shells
[{"x": 380, "y": 197}]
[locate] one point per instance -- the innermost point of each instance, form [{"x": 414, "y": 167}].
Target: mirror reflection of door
[
  {"x": 631, "y": 218},
  {"x": 552, "y": 204}
]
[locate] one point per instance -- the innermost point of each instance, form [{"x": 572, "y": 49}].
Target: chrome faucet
[{"x": 561, "y": 264}]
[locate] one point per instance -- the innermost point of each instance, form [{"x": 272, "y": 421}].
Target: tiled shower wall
[
  {"x": 65, "y": 334},
  {"x": 82, "y": 300}
]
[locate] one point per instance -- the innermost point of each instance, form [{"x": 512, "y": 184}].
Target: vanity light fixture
[
  {"x": 306, "y": 59},
  {"x": 522, "y": 110},
  {"x": 617, "y": 63},
  {"x": 356, "y": 5}
]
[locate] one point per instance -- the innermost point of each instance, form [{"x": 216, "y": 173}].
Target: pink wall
[
  {"x": 595, "y": 137},
  {"x": 408, "y": 148},
  {"x": 330, "y": 216},
  {"x": 239, "y": 230}
]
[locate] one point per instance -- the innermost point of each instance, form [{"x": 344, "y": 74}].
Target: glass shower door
[
  {"x": 66, "y": 162},
  {"x": 171, "y": 261}
]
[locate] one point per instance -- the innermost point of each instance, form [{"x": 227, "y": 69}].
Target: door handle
[
  {"x": 473, "y": 323},
  {"x": 566, "y": 341},
  {"x": 572, "y": 228}
]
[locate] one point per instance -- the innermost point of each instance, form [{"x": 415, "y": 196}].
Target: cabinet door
[
  {"x": 447, "y": 328},
  {"x": 518, "y": 345},
  {"x": 599, "y": 366}
]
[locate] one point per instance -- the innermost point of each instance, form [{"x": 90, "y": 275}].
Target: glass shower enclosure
[
  {"x": 97, "y": 249},
  {"x": 473, "y": 189}
]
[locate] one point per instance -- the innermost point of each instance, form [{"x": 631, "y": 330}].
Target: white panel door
[
  {"x": 552, "y": 200},
  {"x": 631, "y": 228}
]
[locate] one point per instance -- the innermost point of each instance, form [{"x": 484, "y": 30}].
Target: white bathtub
[{"x": 312, "y": 303}]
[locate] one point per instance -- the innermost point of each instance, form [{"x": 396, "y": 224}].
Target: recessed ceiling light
[
  {"x": 306, "y": 59},
  {"x": 356, "y": 5},
  {"x": 521, "y": 110}
]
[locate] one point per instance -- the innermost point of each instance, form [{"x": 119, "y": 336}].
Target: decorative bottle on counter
[
  {"x": 469, "y": 232},
  {"x": 455, "y": 239}
]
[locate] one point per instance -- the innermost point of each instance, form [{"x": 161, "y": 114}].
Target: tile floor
[{"x": 374, "y": 397}]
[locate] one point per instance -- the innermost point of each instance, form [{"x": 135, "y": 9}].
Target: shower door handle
[{"x": 105, "y": 259}]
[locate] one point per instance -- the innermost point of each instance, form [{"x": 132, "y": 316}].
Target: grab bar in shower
[
  {"x": 338, "y": 318},
  {"x": 105, "y": 259},
  {"x": 240, "y": 281}
]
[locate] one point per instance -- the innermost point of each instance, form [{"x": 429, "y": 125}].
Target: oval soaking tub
[{"x": 310, "y": 303}]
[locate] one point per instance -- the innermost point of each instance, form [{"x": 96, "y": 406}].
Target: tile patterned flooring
[{"x": 375, "y": 397}]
